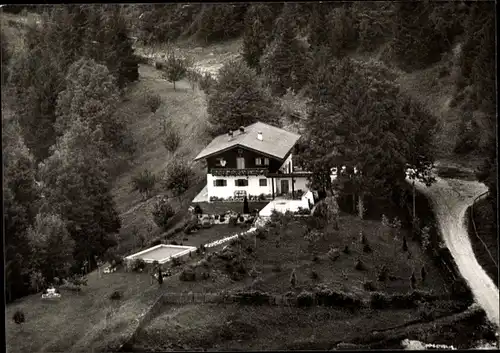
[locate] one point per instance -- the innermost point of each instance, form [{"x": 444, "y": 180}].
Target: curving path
[{"x": 450, "y": 199}]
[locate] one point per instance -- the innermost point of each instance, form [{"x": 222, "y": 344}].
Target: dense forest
[{"x": 63, "y": 87}]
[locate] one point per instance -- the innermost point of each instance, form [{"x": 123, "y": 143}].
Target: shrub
[
  {"x": 207, "y": 82},
  {"x": 254, "y": 297},
  {"x": 162, "y": 213},
  {"x": 360, "y": 266},
  {"x": 138, "y": 265},
  {"x": 367, "y": 248},
  {"x": 293, "y": 279},
  {"x": 328, "y": 297},
  {"x": 233, "y": 221},
  {"x": 369, "y": 286},
  {"x": 379, "y": 300},
  {"x": 382, "y": 276},
  {"x": 413, "y": 281},
  {"x": 315, "y": 258},
  {"x": 261, "y": 233},
  {"x": 305, "y": 299},
  {"x": 187, "y": 275},
  {"x": 153, "y": 102},
  {"x": 144, "y": 183},
  {"x": 346, "y": 250},
  {"x": 276, "y": 268},
  {"x": 405, "y": 244},
  {"x": 18, "y": 317},
  {"x": 116, "y": 295},
  {"x": 423, "y": 273},
  {"x": 197, "y": 209},
  {"x": 171, "y": 140},
  {"x": 176, "y": 261},
  {"x": 241, "y": 219},
  {"x": 222, "y": 218},
  {"x": 364, "y": 241},
  {"x": 333, "y": 254},
  {"x": 314, "y": 275}
]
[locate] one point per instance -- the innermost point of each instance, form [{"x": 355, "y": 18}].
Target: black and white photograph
[{"x": 250, "y": 176}]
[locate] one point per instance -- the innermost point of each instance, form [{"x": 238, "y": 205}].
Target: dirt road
[{"x": 450, "y": 199}]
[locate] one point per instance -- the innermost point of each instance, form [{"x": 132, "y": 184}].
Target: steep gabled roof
[{"x": 275, "y": 142}]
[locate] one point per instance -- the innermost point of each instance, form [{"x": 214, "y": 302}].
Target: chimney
[
  {"x": 230, "y": 135},
  {"x": 259, "y": 136},
  {"x": 242, "y": 129}
]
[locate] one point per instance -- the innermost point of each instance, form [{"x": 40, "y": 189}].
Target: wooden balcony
[{"x": 238, "y": 172}]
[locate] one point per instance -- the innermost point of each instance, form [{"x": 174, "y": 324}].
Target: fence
[{"x": 475, "y": 228}]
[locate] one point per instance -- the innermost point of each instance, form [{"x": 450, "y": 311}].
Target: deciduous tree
[
  {"x": 144, "y": 182},
  {"x": 91, "y": 95},
  {"x": 162, "y": 213},
  {"x": 178, "y": 177},
  {"x": 76, "y": 185},
  {"x": 175, "y": 68},
  {"x": 20, "y": 198},
  {"x": 52, "y": 247},
  {"x": 238, "y": 99}
]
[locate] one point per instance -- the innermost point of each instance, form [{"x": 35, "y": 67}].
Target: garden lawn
[
  {"x": 286, "y": 249},
  {"x": 77, "y": 321}
]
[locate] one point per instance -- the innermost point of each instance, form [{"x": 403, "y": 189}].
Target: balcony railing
[{"x": 238, "y": 172}]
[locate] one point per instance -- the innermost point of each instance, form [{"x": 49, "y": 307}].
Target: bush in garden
[
  {"x": 233, "y": 221},
  {"x": 423, "y": 273},
  {"x": 116, "y": 295},
  {"x": 171, "y": 139},
  {"x": 153, "y": 101},
  {"x": 206, "y": 82},
  {"x": 328, "y": 297},
  {"x": 305, "y": 299},
  {"x": 293, "y": 279},
  {"x": 360, "y": 266},
  {"x": 197, "y": 209},
  {"x": 369, "y": 286},
  {"x": 176, "y": 261},
  {"x": 18, "y": 317},
  {"x": 367, "y": 248},
  {"x": 261, "y": 233},
  {"x": 138, "y": 265},
  {"x": 314, "y": 275},
  {"x": 382, "y": 276},
  {"x": 276, "y": 268},
  {"x": 346, "y": 249},
  {"x": 162, "y": 213},
  {"x": 379, "y": 300},
  {"x": 253, "y": 297},
  {"x": 405, "y": 244},
  {"x": 333, "y": 254},
  {"x": 413, "y": 281},
  {"x": 187, "y": 275},
  {"x": 364, "y": 241}
]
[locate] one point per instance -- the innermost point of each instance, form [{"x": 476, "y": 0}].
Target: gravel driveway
[{"x": 450, "y": 199}]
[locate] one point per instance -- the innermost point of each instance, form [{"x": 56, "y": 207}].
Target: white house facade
[{"x": 255, "y": 161}]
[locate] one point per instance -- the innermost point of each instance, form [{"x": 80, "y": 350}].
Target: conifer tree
[{"x": 285, "y": 62}]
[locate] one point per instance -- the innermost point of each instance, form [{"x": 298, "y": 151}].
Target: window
[
  {"x": 241, "y": 182},
  {"x": 261, "y": 161},
  {"x": 262, "y": 182},
  {"x": 240, "y": 163},
  {"x": 220, "y": 182}
]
